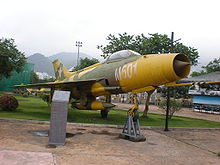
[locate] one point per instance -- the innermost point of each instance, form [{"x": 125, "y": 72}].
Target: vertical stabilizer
[{"x": 61, "y": 72}]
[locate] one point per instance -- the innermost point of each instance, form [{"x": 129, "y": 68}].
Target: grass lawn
[{"x": 32, "y": 108}]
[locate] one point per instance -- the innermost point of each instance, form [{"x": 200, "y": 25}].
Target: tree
[
  {"x": 174, "y": 106},
  {"x": 124, "y": 41},
  {"x": 85, "y": 63},
  {"x": 195, "y": 74},
  {"x": 152, "y": 44},
  {"x": 155, "y": 43},
  {"x": 34, "y": 78},
  {"x": 11, "y": 59},
  {"x": 212, "y": 66},
  {"x": 146, "y": 109}
]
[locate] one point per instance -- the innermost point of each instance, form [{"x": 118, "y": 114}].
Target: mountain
[
  {"x": 41, "y": 63},
  {"x": 44, "y": 64},
  {"x": 68, "y": 59}
]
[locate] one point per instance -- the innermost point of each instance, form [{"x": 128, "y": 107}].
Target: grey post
[{"x": 58, "y": 117}]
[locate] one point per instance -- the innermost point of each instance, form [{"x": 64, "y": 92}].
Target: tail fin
[{"x": 61, "y": 72}]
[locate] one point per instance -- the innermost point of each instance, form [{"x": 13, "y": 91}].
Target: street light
[
  {"x": 78, "y": 44},
  {"x": 169, "y": 88}
]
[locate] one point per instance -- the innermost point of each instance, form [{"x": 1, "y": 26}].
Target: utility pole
[
  {"x": 168, "y": 109},
  {"x": 78, "y": 44},
  {"x": 168, "y": 90}
]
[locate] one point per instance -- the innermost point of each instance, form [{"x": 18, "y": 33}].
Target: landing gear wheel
[{"x": 104, "y": 114}]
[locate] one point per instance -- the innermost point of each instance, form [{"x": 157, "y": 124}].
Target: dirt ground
[
  {"x": 186, "y": 112},
  {"x": 93, "y": 144}
]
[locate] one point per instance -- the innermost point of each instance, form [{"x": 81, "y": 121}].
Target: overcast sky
[{"x": 52, "y": 26}]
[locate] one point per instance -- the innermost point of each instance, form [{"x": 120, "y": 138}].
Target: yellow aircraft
[{"x": 123, "y": 71}]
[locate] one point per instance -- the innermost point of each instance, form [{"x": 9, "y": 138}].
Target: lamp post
[
  {"x": 168, "y": 88},
  {"x": 78, "y": 44}
]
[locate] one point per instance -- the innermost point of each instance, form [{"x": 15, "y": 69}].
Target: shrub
[
  {"x": 174, "y": 106},
  {"x": 8, "y": 103},
  {"x": 46, "y": 98},
  {"x": 25, "y": 94}
]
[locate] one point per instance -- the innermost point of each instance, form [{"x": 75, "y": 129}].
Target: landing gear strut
[
  {"x": 104, "y": 114},
  {"x": 131, "y": 130}
]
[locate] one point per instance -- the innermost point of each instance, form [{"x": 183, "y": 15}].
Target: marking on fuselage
[
  {"x": 126, "y": 71},
  {"x": 60, "y": 71}
]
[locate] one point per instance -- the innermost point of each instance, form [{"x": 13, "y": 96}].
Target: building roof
[{"x": 214, "y": 76}]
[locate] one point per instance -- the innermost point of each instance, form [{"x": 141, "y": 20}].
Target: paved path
[
  {"x": 10, "y": 157},
  {"x": 98, "y": 146},
  {"x": 186, "y": 112}
]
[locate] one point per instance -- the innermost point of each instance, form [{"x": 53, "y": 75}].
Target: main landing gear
[
  {"x": 104, "y": 114},
  {"x": 131, "y": 130}
]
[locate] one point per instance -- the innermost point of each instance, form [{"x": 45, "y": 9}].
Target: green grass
[
  {"x": 29, "y": 108},
  {"x": 35, "y": 109}
]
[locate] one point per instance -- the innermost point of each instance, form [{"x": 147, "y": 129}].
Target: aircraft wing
[
  {"x": 59, "y": 84},
  {"x": 174, "y": 84}
]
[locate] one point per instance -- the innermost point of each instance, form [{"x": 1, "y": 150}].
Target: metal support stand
[{"x": 131, "y": 130}]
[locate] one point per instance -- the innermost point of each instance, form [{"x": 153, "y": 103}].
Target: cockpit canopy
[{"x": 121, "y": 55}]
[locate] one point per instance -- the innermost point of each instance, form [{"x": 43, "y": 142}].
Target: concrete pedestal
[{"x": 58, "y": 121}]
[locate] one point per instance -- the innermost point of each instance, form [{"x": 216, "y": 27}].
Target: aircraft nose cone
[
  {"x": 180, "y": 64},
  {"x": 180, "y": 67}
]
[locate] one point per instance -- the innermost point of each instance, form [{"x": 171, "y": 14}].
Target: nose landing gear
[{"x": 131, "y": 130}]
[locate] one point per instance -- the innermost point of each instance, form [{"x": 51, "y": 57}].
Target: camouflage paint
[
  {"x": 150, "y": 70},
  {"x": 134, "y": 73}
]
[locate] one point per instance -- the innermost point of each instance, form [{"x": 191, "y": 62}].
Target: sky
[{"x": 53, "y": 26}]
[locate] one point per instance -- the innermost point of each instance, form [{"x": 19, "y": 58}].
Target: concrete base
[{"x": 140, "y": 138}]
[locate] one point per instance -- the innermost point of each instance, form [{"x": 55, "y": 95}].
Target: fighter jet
[{"x": 123, "y": 71}]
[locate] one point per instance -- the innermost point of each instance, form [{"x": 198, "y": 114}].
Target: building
[
  {"x": 43, "y": 75},
  {"x": 205, "y": 98}
]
